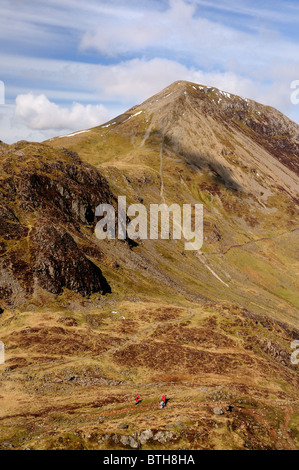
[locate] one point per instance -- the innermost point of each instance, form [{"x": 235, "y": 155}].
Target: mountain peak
[
  {"x": 187, "y": 110},
  {"x": 203, "y": 122}
]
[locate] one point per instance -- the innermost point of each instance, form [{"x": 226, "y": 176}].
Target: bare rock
[
  {"x": 129, "y": 441},
  {"x": 218, "y": 411},
  {"x": 59, "y": 263},
  {"x": 164, "y": 436},
  {"x": 123, "y": 426},
  {"x": 146, "y": 436}
]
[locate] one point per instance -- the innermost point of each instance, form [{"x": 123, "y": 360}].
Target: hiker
[
  {"x": 137, "y": 400},
  {"x": 163, "y": 402}
]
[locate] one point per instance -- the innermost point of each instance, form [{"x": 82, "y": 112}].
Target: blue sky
[{"x": 68, "y": 65}]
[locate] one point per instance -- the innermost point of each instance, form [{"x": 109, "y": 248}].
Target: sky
[{"x": 67, "y": 65}]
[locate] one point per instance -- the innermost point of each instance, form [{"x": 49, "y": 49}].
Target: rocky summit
[{"x": 90, "y": 324}]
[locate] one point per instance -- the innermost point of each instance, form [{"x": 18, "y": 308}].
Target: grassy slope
[{"x": 75, "y": 389}]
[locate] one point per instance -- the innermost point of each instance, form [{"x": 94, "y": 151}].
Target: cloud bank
[{"x": 39, "y": 113}]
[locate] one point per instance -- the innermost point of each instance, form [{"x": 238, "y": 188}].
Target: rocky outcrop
[
  {"x": 65, "y": 191},
  {"x": 138, "y": 440},
  {"x": 276, "y": 351},
  {"x": 47, "y": 199},
  {"x": 146, "y": 436},
  {"x": 59, "y": 263}
]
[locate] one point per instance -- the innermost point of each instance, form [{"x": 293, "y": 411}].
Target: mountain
[
  {"x": 191, "y": 144},
  {"x": 88, "y": 324}
]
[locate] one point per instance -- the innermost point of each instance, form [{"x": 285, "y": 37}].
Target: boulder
[
  {"x": 218, "y": 411},
  {"x": 129, "y": 441},
  {"x": 146, "y": 436},
  {"x": 164, "y": 436},
  {"x": 123, "y": 426}
]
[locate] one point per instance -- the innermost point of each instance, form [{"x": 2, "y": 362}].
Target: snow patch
[
  {"x": 130, "y": 117},
  {"x": 136, "y": 114},
  {"x": 168, "y": 94},
  {"x": 71, "y": 135},
  {"x": 108, "y": 125},
  {"x": 224, "y": 93}
]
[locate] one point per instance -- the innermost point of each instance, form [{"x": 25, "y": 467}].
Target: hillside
[
  {"x": 90, "y": 324},
  {"x": 191, "y": 144}
]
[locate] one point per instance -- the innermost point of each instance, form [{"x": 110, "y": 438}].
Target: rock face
[
  {"x": 47, "y": 199},
  {"x": 59, "y": 263}
]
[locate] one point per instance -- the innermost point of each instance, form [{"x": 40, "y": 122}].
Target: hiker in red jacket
[
  {"x": 137, "y": 400},
  {"x": 163, "y": 401}
]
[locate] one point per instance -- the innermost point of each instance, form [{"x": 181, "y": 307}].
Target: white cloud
[
  {"x": 135, "y": 80},
  {"x": 181, "y": 31},
  {"x": 174, "y": 29},
  {"x": 38, "y": 113},
  {"x": 13, "y": 129}
]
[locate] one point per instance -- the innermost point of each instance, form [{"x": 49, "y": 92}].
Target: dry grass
[{"x": 201, "y": 358}]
